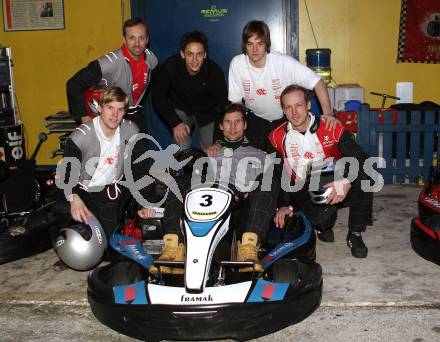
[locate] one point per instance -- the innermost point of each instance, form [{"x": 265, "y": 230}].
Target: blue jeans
[{"x": 205, "y": 133}]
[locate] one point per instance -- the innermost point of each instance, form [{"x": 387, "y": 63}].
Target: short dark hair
[
  {"x": 290, "y": 89},
  {"x": 234, "y": 107},
  {"x": 193, "y": 37},
  {"x": 256, "y": 27},
  {"x": 133, "y": 22},
  {"x": 113, "y": 94}
]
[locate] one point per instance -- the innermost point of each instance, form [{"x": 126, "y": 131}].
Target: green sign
[{"x": 213, "y": 12}]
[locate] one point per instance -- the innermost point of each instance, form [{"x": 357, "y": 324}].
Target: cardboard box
[{"x": 346, "y": 92}]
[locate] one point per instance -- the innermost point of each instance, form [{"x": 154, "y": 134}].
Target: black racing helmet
[{"x": 321, "y": 194}]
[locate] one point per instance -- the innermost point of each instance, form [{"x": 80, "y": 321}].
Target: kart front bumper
[{"x": 240, "y": 321}]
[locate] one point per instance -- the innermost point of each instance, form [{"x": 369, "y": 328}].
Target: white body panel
[
  {"x": 235, "y": 293},
  {"x": 204, "y": 207},
  {"x": 199, "y": 252}
]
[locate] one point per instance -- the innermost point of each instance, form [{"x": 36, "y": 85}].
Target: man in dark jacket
[
  {"x": 129, "y": 68},
  {"x": 190, "y": 91}
]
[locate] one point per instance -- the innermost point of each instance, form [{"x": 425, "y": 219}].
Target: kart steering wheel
[
  {"x": 188, "y": 169},
  {"x": 194, "y": 154}
]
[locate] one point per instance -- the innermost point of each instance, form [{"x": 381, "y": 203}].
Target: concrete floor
[{"x": 392, "y": 295}]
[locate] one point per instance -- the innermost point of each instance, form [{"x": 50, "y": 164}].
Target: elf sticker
[{"x": 2, "y": 154}]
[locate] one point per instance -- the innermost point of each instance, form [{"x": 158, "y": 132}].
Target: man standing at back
[
  {"x": 258, "y": 76},
  {"x": 129, "y": 68},
  {"x": 190, "y": 91}
]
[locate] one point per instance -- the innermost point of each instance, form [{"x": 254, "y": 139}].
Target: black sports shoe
[
  {"x": 326, "y": 235},
  {"x": 357, "y": 245}
]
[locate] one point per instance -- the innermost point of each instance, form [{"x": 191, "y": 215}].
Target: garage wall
[
  {"x": 363, "y": 37},
  {"x": 44, "y": 60}
]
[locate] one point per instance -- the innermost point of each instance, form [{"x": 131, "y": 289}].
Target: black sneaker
[
  {"x": 357, "y": 245},
  {"x": 326, "y": 235}
]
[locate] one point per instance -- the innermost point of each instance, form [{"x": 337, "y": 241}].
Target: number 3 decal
[{"x": 208, "y": 201}]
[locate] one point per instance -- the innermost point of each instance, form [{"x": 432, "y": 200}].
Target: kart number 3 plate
[{"x": 203, "y": 205}]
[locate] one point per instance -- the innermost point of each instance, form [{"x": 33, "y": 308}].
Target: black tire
[
  {"x": 123, "y": 273},
  {"x": 286, "y": 271},
  {"x": 293, "y": 229}
]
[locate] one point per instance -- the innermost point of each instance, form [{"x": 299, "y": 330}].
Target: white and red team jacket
[{"x": 299, "y": 150}]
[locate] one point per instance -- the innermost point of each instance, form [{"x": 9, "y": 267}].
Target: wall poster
[
  {"x": 24, "y": 15},
  {"x": 419, "y": 34}
]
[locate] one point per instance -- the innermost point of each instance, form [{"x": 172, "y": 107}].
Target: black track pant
[
  {"x": 107, "y": 211},
  {"x": 258, "y": 130}
]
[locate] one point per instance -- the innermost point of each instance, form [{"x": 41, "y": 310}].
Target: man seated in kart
[
  {"x": 262, "y": 204},
  {"x": 98, "y": 147},
  {"x": 304, "y": 140}
]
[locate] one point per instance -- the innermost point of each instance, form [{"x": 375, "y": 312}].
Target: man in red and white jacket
[{"x": 304, "y": 140}]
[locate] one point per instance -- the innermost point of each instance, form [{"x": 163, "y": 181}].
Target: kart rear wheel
[{"x": 286, "y": 271}]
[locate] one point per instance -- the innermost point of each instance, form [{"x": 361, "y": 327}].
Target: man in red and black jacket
[
  {"x": 304, "y": 140},
  {"x": 128, "y": 68}
]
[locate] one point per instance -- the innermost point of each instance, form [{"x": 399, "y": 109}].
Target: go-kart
[
  {"x": 425, "y": 229},
  {"x": 212, "y": 299},
  {"x": 26, "y": 202}
]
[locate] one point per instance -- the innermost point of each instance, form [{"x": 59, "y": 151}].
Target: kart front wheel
[
  {"x": 123, "y": 273},
  {"x": 286, "y": 271}
]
